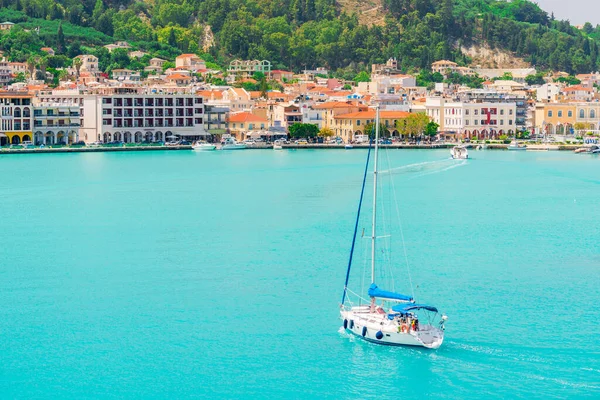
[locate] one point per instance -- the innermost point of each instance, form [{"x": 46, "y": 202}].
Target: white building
[
  {"x": 548, "y": 92},
  {"x": 141, "y": 115}
]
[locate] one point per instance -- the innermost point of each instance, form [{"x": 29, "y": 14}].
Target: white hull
[
  {"x": 204, "y": 147},
  {"x": 237, "y": 146},
  {"x": 277, "y": 147},
  {"x": 516, "y": 148},
  {"x": 459, "y": 153},
  {"x": 367, "y": 325}
]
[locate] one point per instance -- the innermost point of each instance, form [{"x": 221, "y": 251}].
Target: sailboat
[{"x": 388, "y": 318}]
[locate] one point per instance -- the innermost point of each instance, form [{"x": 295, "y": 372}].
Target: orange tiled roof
[
  {"x": 245, "y": 117},
  {"x": 368, "y": 114},
  {"x": 178, "y": 77}
]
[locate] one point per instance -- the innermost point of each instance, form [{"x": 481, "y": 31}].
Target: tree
[
  {"x": 362, "y": 77},
  {"x": 60, "y": 39},
  {"x": 414, "y": 125},
  {"x": 263, "y": 87},
  {"x": 172, "y": 38},
  {"x": 300, "y": 130},
  {"x": 77, "y": 63},
  {"x": 431, "y": 129},
  {"x": 326, "y": 132},
  {"x": 370, "y": 130},
  {"x": 537, "y": 79}
]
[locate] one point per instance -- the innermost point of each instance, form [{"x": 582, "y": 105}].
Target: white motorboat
[
  {"x": 595, "y": 149},
  {"x": 203, "y": 146},
  {"x": 348, "y": 146},
  {"x": 459, "y": 152},
  {"x": 514, "y": 145},
  {"x": 278, "y": 145},
  {"x": 388, "y": 318},
  {"x": 232, "y": 144}
]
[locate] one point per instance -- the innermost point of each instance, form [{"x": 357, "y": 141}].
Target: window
[
  {"x": 592, "y": 113},
  {"x": 501, "y": 112},
  {"x": 358, "y": 122},
  {"x": 549, "y": 113},
  {"x": 560, "y": 113},
  {"x": 106, "y": 111},
  {"x": 475, "y": 122},
  {"x": 501, "y": 122},
  {"x": 581, "y": 114},
  {"x": 570, "y": 113},
  {"x": 106, "y": 122},
  {"x": 476, "y": 112},
  {"x": 510, "y": 122},
  {"x": 466, "y": 122},
  {"x": 466, "y": 112}
]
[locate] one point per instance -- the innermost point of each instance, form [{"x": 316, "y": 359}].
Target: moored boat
[
  {"x": 278, "y": 145},
  {"x": 232, "y": 144},
  {"x": 203, "y": 146},
  {"x": 516, "y": 146}
]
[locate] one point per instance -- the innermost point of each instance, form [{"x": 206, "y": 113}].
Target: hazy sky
[{"x": 576, "y": 11}]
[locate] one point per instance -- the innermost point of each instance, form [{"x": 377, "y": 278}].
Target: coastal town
[{"x": 171, "y": 101}]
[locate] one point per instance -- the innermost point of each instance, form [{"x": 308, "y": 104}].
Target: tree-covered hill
[{"x": 294, "y": 34}]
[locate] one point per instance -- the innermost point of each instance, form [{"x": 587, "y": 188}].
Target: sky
[{"x": 576, "y": 11}]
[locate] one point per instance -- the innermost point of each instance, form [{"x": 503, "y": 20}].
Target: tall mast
[{"x": 374, "y": 225}]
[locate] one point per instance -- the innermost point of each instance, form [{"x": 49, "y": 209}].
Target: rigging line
[
  {"x": 412, "y": 290},
  {"x": 385, "y": 249},
  {"x": 362, "y": 192}
]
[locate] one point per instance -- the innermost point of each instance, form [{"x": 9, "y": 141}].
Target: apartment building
[
  {"x": 141, "y": 115},
  {"x": 16, "y": 118}
]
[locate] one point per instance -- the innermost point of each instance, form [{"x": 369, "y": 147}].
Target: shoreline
[{"x": 553, "y": 147}]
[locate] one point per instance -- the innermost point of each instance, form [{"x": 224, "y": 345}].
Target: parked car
[
  {"x": 301, "y": 142},
  {"x": 79, "y": 143},
  {"x": 385, "y": 141},
  {"x": 185, "y": 143}
]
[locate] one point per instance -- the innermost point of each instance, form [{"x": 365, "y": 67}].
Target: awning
[
  {"x": 374, "y": 291},
  {"x": 404, "y": 308},
  {"x": 3, "y": 135}
]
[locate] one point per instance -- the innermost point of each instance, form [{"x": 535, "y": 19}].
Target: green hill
[{"x": 295, "y": 34}]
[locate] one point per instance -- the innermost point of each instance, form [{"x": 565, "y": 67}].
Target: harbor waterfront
[{"x": 216, "y": 274}]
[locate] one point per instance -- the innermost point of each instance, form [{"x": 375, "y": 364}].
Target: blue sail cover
[
  {"x": 374, "y": 291},
  {"x": 404, "y": 308}
]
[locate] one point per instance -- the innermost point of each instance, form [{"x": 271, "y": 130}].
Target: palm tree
[{"x": 77, "y": 63}]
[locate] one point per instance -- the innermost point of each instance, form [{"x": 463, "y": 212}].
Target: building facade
[
  {"x": 16, "y": 113},
  {"x": 142, "y": 116}
]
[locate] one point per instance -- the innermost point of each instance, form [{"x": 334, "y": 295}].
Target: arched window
[
  {"x": 592, "y": 113},
  {"x": 581, "y": 113}
]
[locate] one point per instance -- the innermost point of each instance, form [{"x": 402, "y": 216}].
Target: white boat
[
  {"x": 595, "y": 149},
  {"x": 232, "y": 144},
  {"x": 278, "y": 145},
  {"x": 388, "y": 318},
  {"x": 459, "y": 152},
  {"x": 203, "y": 146},
  {"x": 348, "y": 146},
  {"x": 514, "y": 145}
]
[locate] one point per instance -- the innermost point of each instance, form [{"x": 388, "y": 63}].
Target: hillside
[{"x": 345, "y": 36}]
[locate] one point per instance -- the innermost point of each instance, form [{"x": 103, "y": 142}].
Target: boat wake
[
  {"x": 447, "y": 168},
  {"x": 426, "y": 167}
]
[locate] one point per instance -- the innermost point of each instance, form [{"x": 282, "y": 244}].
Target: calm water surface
[{"x": 178, "y": 274}]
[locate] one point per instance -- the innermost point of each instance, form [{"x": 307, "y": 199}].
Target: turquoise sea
[{"x": 219, "y": 275}]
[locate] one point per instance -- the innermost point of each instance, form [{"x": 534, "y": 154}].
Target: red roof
[
  {"x": 368, "y": 114},
  {"x": 245, "y": 117},
  {"x": 178, "y": 77}
]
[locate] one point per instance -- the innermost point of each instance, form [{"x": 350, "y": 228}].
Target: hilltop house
[
  {"x": 191, "y": 62},
  {"x": 444, "y": 67},
  {"x": 156, "y": 65},
  {"x": 117, "y": 45},
  {"x": 6, "y": 26},
  {"x": 89, "y": 63}
]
